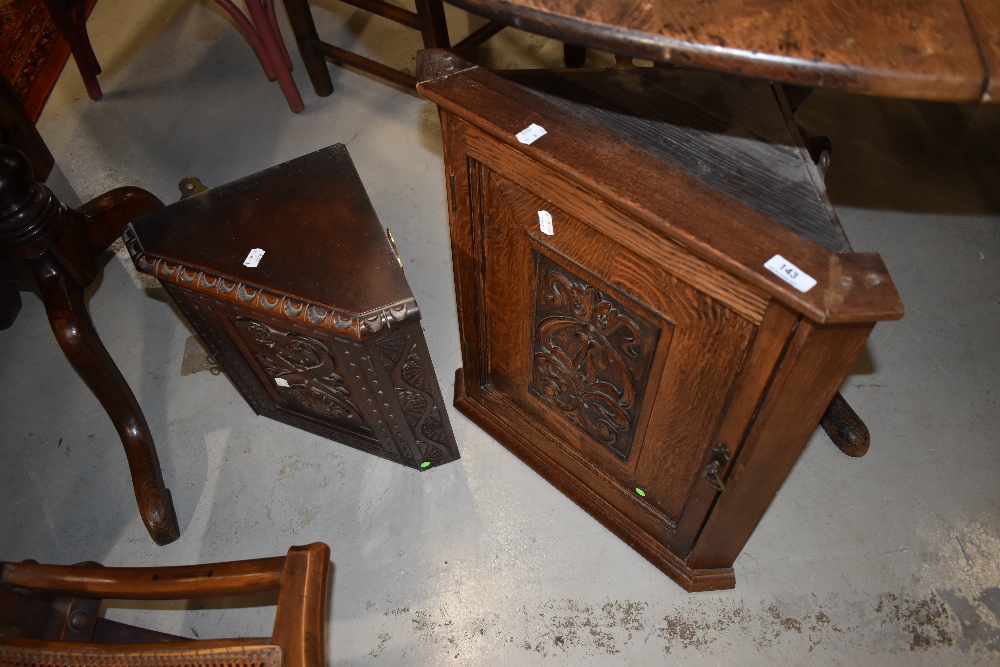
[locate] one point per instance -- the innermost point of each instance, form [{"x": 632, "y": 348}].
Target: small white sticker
[
  {"x": 253, "y": 259},
  {"x": 281, "y": 382},
  {"x": 530, "y": 134},
  {"x": 545, "y": 223},
  {"x": 790, "y": 273}
]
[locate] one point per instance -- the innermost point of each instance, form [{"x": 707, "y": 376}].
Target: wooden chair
[
  {"x": 258, "y": 25},
  {"x": 49, "y": 613},
  {"x": 428, "y": 19},
  {"x": 70, "y": 17}
]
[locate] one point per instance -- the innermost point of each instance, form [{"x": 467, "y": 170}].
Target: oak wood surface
[
  {"x": 54, "y": 631},
  {"x": 699, "y": 340},
  {"x": 709, "y": 224},
  {"x": 813, "y": 368},
  {"x": 587, "y": 487},
  {"x": 721, "y": 130},
  {"x": 635, "y": 346},
  {"x": 149, "y": 583},
  {"x": 769, "y": 344},
  {"x": 921, "y": 49}
]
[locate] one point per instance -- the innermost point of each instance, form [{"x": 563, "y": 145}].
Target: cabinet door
[{"x": 616, "y": 359}]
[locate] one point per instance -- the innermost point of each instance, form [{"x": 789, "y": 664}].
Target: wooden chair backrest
[{"x": 48, "y": 613}]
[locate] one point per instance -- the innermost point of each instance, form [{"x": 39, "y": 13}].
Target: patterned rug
[{"x": 32, "y": 52}]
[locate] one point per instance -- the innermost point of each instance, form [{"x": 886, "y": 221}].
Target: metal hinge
[
  {"x": 392, "y": 244},
  {"x": 711, "y": 474},
  {"x": 191, "y": 186}
]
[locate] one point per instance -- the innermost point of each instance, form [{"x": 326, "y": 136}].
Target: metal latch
[{"x": 712, "y": 473}]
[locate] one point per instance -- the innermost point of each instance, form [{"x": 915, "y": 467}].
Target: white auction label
[
  {"x": 790, "y": 273},
  {"x": 281, "y": 382},
  {"x": 545, "y": 223},
  {"x": 253, "y": 259},
  {"x": 531, "y": 133}
]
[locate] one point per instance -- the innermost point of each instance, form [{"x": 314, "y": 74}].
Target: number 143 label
[{"x": 790, "y": 273}]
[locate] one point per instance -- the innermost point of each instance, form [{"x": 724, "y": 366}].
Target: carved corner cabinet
[
  {"x": 290, "y": 280},
  {"x": 620, "y": 331}
]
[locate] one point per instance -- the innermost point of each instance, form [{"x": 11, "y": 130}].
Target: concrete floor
[{"x": 891, "y": 559}]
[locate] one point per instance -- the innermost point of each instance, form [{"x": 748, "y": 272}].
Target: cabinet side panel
[
  {"x": 459, "y": 175},
  {"x": 768, "y": 346},
  {"x": 421, "y": 419},
  {"x": 201, "y": 314},
  {"x": 814, "y": 367}
]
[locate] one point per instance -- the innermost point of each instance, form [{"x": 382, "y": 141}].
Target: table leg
[
  {"x": 59, "y": 248},
  {"x": 261, "y": 32},
  {"x": 10, "y": 304},
  {"x": 846, "y": 429},
  {"x": 70, "y": 17},
  {"x": 64, "y": 304}
]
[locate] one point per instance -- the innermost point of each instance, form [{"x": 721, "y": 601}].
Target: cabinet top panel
[
  {"x": 712, "y": 162},
  {"x": 304, "y": 229},
  {"x": 727, "y": 132}
]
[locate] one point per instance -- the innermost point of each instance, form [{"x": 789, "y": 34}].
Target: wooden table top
[{"x": 945, "y": 50}]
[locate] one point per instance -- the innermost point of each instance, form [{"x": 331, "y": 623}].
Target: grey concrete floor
[{"x": 891, "y": 559}]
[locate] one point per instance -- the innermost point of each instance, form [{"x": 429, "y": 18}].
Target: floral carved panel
[
  {"x": 416, "y": 392},
  {"x": 592, "y": 356},
  {"x": 303, "y": 371}
]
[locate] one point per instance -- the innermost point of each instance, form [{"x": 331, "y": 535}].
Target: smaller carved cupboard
[
  {"x": 656, "y": 301},
  {"x": 293, "y": 285}
]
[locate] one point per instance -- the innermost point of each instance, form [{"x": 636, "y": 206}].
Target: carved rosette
[
  {"x": 591, "y": 356},
  {"x": 356, "y": 325},
  {"x": 416, "y": 395},
  {"x": 302, "y": 370}
]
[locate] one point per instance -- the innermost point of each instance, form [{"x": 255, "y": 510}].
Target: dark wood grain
[
  {"x": 17, "y": 130},
  {"x": 355, "y": 268},
  {"x": 324, "y": 333},
  {"x": 921, "y": 49},
  {"x": 58, "y": 249}
]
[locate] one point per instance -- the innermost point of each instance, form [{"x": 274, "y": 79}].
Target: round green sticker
[
  {"x": 640, "y": 492},
  {"x": 425, "y": 464}
]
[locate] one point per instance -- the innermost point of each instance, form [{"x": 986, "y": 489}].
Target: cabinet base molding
[{"x": 690, "y": 579}]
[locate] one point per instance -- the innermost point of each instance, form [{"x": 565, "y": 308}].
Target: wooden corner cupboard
[
  {"x": 290, "y": 280},
  {"x": 621, "y": 332}
]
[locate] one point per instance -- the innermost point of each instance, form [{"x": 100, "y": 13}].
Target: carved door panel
[
  {"x": 622, "y": 362},
  {"x": 303, "y": 371}
]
